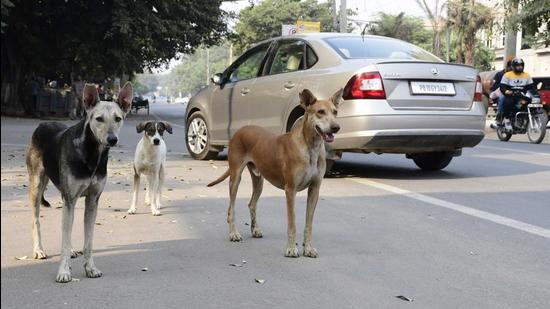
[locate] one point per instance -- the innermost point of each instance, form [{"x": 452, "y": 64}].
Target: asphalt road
[{"x": 475, "y": 235}]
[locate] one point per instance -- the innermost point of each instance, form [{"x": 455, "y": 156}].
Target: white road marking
[
  {"x": 514, "y": 150},
  {"x": 522, "y": 226}
]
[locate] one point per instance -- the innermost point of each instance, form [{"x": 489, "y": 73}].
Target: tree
[
  {"x": 466, "y": 18},
  {"x": 190, "y": 75},
  {"x": 434, "y": 17},
  {"x": 101, "y": 38},
  {"x": 410, "y": 29},
  {"x": 533, "y": 16},
  {"x": 260, "y": 22}
]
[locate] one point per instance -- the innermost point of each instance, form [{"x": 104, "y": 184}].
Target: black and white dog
[
  {"x": 149, "y": 160},
  {"x": 75, "y": 160}
]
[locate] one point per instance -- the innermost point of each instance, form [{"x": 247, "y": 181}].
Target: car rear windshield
[{"x": 378, "y": 48}]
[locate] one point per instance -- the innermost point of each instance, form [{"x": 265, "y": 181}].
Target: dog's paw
[
  {"x": 292, "y": 252},
  {"x": 63, "y": 277},
  {"x": 235, "y": 236},
  {"x": 39, "y": 254},
  {"x": 156, "y": 212},
  {"x": 310, "y": 252},
  {"x": 131, "y": 211},
  {"x": 257, "y": 233},
  {"x": 93, "y": 272}
]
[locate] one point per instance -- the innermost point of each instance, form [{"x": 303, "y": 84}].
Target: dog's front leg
[
  {"x": 159, "y": 185},
  {"x": 64, "y": 272},
  {"x": 132, "y": 209},
  {"x": 152, "y": 190},
  {"x": 312, "y": 198},
  {"x": 90, "y": 215},
  {"x": 291, "y": 249}
]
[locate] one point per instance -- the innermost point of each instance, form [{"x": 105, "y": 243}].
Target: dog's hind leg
[
  {"x": 312, "y": 198},
  {"x": 37, "y": 184},
  {"x": 234, "y": 181},
  {"x": 90, "y": 215},
  {"x": 257, "y": 186},
  {"x": 132, "y": 209},
  {"x": 291, "y": 249},
  {"x": 64, "y": 272}
]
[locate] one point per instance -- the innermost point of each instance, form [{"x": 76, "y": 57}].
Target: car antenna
[{"x": 363, "y": 32}]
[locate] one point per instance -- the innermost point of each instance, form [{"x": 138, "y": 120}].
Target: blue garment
[{"x": 500, "y": 104}]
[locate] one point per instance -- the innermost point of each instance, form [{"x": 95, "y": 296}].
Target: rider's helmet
[{"x": 517, "y": 65}]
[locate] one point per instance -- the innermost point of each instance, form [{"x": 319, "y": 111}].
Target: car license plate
[
  {"x": 436, "y": 88},
  {"x": 534, "y": 105}
]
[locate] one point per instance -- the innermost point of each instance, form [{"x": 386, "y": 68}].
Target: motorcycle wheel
[
  {"x": 503, "y": 135},
  {"x": 537, "y": 132}
]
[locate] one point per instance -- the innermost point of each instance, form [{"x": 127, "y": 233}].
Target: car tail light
[
  {"x": 365, "y": 86},
  {"x": 479, "y": 90}
]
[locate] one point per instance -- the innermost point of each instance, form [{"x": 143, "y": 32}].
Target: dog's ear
[
  {"x": 90, "y": 97},
  {"x": 336, "y": 98},
  {"x": 125, "y": 97},
  {"x": 141, "y": 126},
  {"x": 307, "y": 98},
  {"x": 168, "y": 126}
]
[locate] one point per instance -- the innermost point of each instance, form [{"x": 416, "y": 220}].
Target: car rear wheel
[
  {"x": 198, "y": 138},
  {"x": 433, "y": 161}
]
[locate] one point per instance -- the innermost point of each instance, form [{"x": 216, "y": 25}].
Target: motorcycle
[{"x": 529, "y": 118}]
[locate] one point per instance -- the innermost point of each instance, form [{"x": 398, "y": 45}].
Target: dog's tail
[{"x": 217, "y": 181}]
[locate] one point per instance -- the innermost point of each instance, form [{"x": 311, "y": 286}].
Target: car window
[
  {"x": 288, "y": 57},
  {"x": 378, "y": 48},
  {"x": 250, "y": 65},
  {"x": 311, "y": 57}
]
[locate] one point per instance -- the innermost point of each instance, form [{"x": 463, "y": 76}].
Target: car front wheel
[
  {"x": 433, "y": 161},
  {"x": 198, "y": 138}
]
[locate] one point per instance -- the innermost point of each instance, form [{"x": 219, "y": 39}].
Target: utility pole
[
  {"x": 230, "y": 54},
  {"x": 510, "y": 43},
  {"x": 343, "y": 17},
  {"x": 334, "y": 16},
  {"x": 207, "y": 66}
]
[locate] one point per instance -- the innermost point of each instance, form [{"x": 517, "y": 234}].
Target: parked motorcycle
[{"x": 530, "y": 118}]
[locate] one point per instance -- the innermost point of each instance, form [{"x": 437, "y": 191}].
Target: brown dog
[{"x": 292, "y": 162}]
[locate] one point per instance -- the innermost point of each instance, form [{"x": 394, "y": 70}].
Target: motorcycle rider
[{"x": 513, "y": 81}]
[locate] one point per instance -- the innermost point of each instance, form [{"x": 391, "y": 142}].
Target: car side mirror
[
  {"x": 217, "y": 79},
  {"x": 539, "y": 85}
]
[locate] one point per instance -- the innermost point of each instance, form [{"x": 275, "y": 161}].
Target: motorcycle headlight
[{"x": 535, "y": 100}]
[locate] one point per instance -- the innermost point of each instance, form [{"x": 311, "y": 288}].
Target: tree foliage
[
  {"x": 533, "y": 16},
  {"x": 466, "y": 18},
  {"x": 400, "y": 26},
  {"x": 434, "y": 16},
  {"x": 260, "y": 22},
  {"x": 101, "y": 38}
]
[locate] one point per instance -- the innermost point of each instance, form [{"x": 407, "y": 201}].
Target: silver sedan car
[{"x": 398, "y": 98}]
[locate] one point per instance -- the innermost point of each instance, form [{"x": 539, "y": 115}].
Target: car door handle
[
  {"x": 289, "y": 85},
  {"x": 244, "y": 91}
]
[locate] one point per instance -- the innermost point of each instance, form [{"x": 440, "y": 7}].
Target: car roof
[{"x": 323, "y": 35}]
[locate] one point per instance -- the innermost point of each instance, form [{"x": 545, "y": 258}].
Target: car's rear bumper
[{"x": 409, "y": 133}]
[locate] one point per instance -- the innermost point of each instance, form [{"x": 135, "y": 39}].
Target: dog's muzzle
[
  {"x": 328, "y": 136},
  {"x": 112, "y": 140}
]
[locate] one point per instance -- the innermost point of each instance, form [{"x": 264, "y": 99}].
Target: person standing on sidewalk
[{"x": 77, "y": 87}]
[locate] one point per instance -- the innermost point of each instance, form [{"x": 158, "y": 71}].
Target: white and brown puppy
[{"x": 149, "y": 160}]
